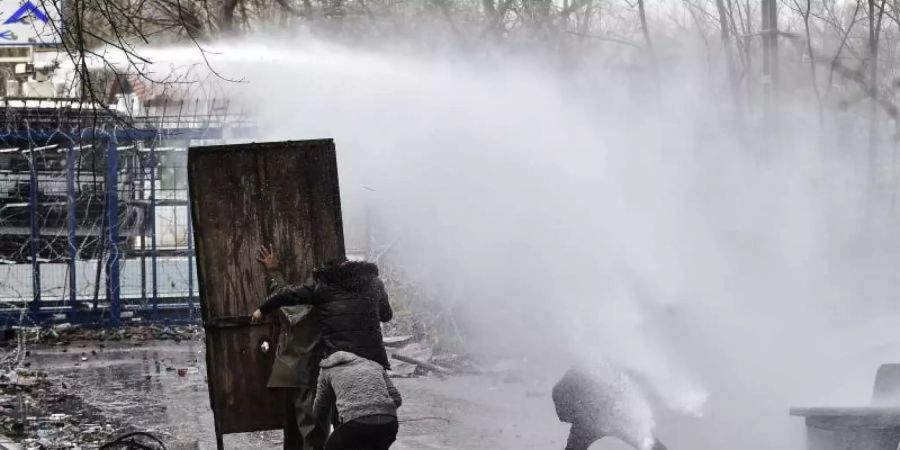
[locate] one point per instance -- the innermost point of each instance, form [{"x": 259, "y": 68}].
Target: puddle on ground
[{"x": 157, "y": 386}]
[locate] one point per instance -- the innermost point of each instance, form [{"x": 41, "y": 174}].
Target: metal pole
[
  {"x": 142, "y": 192},
  {"x": 190, "y": 255},
  {"x": 35, "y": 305},
  {"x": 152, "y": 218},
  {"x": 112, "y": 219},
  {"x": 72, "y": 222}
]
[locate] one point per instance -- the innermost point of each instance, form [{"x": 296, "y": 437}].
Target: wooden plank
[
  {"x": 237, "y": 371},
  {"x": 244, "y": 196}
]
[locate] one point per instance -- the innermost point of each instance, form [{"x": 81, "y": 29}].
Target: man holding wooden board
[
  {"x": 350, "y": 303},
  {"x": 296, "y": 365}
]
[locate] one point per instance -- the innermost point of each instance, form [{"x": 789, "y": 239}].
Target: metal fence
[{"x": 94, "y": 221}]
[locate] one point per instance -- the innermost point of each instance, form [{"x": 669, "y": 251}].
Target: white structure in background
[
  {"x": 165, "y": 96},
  {"x": 29, "y": 32}
]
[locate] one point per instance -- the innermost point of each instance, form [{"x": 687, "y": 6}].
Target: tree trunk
[
  {"x": 228, "y": 7},
  {"x": 585, "y": 26},
  {"x": 729, "y": 59},
  {"x": 812, "y": 60},
  {"x": 490, "y": 11},
  {"x": 643, "y": 16},
  {"x": 874, "y": 29}
]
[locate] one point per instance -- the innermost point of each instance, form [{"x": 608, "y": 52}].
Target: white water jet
[{"x": 570, "y": 217}]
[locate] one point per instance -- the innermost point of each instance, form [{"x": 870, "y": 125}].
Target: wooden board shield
[{"x": 243, "y": 196}]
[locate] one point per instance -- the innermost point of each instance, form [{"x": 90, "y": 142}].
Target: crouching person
[
  {"x": 366, "y": 401},
  {"x": 602, "y": 401}
]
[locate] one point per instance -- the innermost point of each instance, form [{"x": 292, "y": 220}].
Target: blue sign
[
  {"x": 25, "y": 10},
  {"x": 31, "y": 22}
]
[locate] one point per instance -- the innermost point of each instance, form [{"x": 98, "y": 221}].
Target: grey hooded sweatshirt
[{"x": 360, "y": 388}]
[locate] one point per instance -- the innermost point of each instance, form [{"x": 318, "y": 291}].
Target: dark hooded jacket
[
  {"x": 351, "y": 302},
  {"x": 604, "y": 400}
]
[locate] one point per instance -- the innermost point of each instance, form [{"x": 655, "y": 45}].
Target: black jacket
[
  {"x": 350, "y": 300},
  {"x": 605, "y": 400}
]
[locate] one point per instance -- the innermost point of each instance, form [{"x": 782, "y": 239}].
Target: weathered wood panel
[{"x": 243, "y": 196}]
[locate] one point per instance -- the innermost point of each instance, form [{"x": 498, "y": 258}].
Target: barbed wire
[{"x": 56, "y": 212}]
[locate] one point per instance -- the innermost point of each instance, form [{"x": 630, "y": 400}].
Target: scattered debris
[
  {"x": 61, "y": 327},
  {"x": 424, "y": 364},
  {"x": 66, "y": 333},
  {"x": 397, "y": 341},
  {"x": 418, "y": 351},
  {"x": 30, "y": 414},
  {"x": 459, "y": 363},
  {"x": 419, "y": 359},
  {"x": 42, "y": 413}
]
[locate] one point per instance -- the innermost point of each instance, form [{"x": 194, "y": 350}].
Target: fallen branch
[
  {"x": 396, "y": 341},
  {"x": 427, "y": 365},
  {"x": 418, "y": 419}
]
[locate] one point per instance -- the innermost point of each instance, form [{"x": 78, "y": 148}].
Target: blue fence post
[
  {"x": 112, "y": 220},
  {"x": 190, "y": 254},
  {"x": 72, "y": 224},
  {"x": 152, "y": 218},
  {"x": 143, "y": 257},
  {"x": 35, "y": 305}
]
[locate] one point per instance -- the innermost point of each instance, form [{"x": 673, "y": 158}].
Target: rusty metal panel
[{"x": 243, "y": 196}]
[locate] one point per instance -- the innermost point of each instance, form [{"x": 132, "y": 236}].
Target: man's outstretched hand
[{"x": 267, "y": 258}]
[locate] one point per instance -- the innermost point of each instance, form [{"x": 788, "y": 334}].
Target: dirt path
[{"x": 139, "y": 386}]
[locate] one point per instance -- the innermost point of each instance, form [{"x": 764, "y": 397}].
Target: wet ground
[{"x": 141, "y": 387}]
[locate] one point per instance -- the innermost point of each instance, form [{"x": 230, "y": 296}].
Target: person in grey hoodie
[{"x": 366, "y": 401}]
